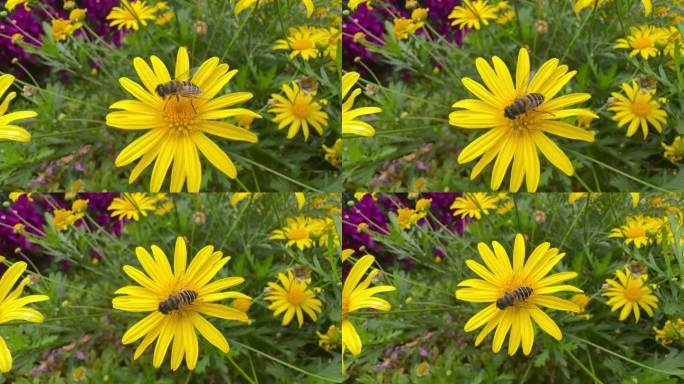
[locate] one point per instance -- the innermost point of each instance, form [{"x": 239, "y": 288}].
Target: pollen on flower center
[
  {"x": 632, "y": 292},
  {"x": 635, "y": 232},
  {"x": 302, "y": 44},
  {"x": 298, "y": 234},
  {"x": 641, "y": 43},
  {"x": 296, "y": 295},
  {"x": 301, "y": 109},
  {"x": 641, "y": 106},
  {"x": 179, "y": 115}
]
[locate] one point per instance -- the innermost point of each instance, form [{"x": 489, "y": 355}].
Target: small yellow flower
[
  {"x": 16, "y": 37},
  {"x": 302, "y": 42},
  {"x": 77, "y": 15},
  {"x": 638, "y": 230},
  {"x": 299, "y": 111},
  {"x": 670, "y": 332},
  {"x": 582, "y": 301},
  {"x": 79, "y": 374},
  {"x": 403, "y": 27},
  {"x": 473, "y": 205},
  {"x": 132, "y": 205},
  {"x": 630, "y": 293},
  {"x": 643, "y": 40},
  {"x": 14, "y": 196},
  {"x": 297, "y": 233},
  {"x": 638, "y": 108},
  {"x": 330, "y": 339},
  {"x": 333, "y": 154},
  {"x": 131, "y": 15},
  {"x": 472, "y": 13},
  {"x": 63, "y": 219},
  {"x": 18, "y": 228},
  {"x": 164, "y": 18},
  {"x": 407, "y": 217},
  {"x": 675, "y": 151},
  {"x": 242, "y": 304},
  {"x": 423, "y": 204},
  {"x": 292, "y": 297}
]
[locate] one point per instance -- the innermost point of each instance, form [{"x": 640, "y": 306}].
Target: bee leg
[{"x": 193, "y": 107}]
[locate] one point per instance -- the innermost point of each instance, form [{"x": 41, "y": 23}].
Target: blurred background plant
[
  {"x": 78, "y": 264},
  {"x": 68, "y": 59},
  {"x": 422, "y": 338},
  {"x": 415, "y": 77}
]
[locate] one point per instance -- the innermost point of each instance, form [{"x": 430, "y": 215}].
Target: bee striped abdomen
[
  {"x": 523, "y": 105},
  {"x": 510, "y": 298},
  {"x": 174, "y": 302}
]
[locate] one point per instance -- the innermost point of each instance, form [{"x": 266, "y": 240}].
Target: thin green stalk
[
  {"x": 241, "y": 371},
  {"x": 267, "y": 169},
  {"x": 587, "y": 371},
  {"x": 288, "y": 365},
  {"x": 674, "y": 373},
  {"x": 619, "y": 172}
]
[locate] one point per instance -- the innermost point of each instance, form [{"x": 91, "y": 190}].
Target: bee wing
[{"x": 185, "y": 75}]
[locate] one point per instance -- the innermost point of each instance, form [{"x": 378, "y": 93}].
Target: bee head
[
  {"x": 159, "y": 90},
  {"x": 509, "y": 113}
]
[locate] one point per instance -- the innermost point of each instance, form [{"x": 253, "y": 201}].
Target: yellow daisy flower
[
  {"x": 64, "y": 218},
  {"x": 675, "y": 151},
  {"x": 643, "y": 40},
  {"x": 330, "y": 339},
  {"x": 177, "y": 300},
  {"x": 237, "y": 197},
  {"x": 9, "y": 131},
  {"x": 630, "y": 293},
  {"x": 637, "y": 230},
  {"x": 13, "y": 306},
  {"x": 638, "y": 108},
  {"x": 333, "y": 154},
  {"x": 356, "y": 295},
  {"x": 132, "y": 205},
  {"x": 292, "y": 297},
  {"x": 298, "y": 110},
  {"x": 131, "y": 15},
  {"x": 670, "y": 332},
  {"x": 648, "y": 6},
  {"x": 297, "y": 232},
  {"x": 178, "y": 125},
  {"x": 351, "y": 126},
  {"x": 353, "y": 4},
  {"x": 472, "y": 13},
  {"x": 516, "y": 140},
  {"x": 515, "y": 294},
  {"x": 302, "y": 42},
  {"x": 473, "y": 205}
]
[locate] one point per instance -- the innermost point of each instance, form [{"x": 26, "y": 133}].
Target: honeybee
[
  {"x": 509, "y": 298},
  {"x": 308, "y": 85},
  {"x": 178, "y": 88},
  {"x": 301, "y": 272},
  {"x": 523, "y": 105},
  {"x": 174, "y": 302}
]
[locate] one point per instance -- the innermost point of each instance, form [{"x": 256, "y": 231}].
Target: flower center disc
[
  {"x": 301, "y": 109},
  {"x": 640, "y": 106},
  {"x": 179, "y": 113},
  {"x": 635, "y": 232},
  {"x": 296, "y": 295},
  {"x": 641, "y": 43},
  {"x": 632, "y": 292},
  {"x": 302, "y": 44},
  {"x": 298, "y": 234}
]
